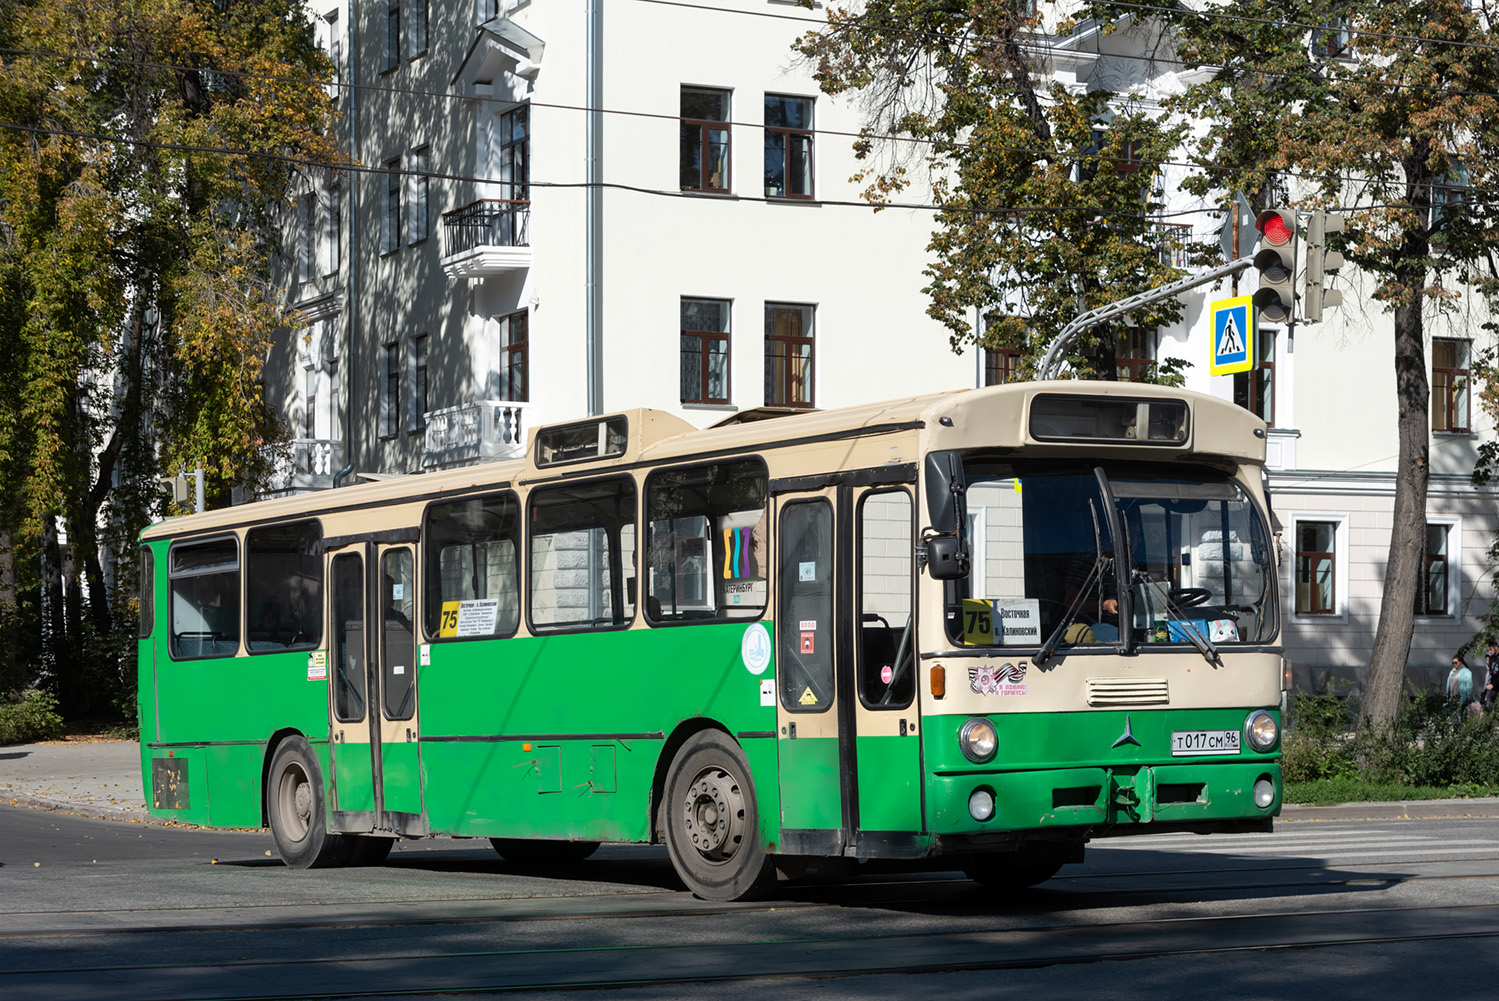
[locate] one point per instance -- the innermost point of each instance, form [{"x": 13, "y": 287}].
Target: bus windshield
[{"x": 1054, "y": 543}]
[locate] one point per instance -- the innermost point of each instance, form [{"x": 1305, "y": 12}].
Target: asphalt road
[{"x": 1326, "y": 910}]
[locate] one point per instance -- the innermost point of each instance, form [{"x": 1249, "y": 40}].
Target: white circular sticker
[{"x": 754, "y": 649}]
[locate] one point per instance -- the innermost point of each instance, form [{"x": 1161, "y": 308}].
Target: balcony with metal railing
[
  {"x": 489, "y": 237},
  {"x": 470, "y": 432}
]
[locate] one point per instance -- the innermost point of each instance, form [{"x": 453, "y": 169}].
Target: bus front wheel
[
  {"x": 712, "y": 825},
  {"x": 294, "y": 804}
]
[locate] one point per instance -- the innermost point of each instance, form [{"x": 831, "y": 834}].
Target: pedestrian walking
[
  {"x": 1459, "y": 686},
  {"x": 1491, "y": 676}
]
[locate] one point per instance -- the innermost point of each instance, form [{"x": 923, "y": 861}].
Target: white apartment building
[{"x": 504, "y": 257}]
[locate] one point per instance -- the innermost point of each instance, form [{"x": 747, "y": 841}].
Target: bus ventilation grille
[{"x": 1128, "y": 692}]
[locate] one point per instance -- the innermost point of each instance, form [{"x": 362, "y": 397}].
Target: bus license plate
[{"x": 1204, "y": 742}]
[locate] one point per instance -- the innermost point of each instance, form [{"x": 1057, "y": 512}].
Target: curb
[{"x": 1421, "y": 809}]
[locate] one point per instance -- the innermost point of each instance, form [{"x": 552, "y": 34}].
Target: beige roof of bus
[{"x": 655, "y": 436}]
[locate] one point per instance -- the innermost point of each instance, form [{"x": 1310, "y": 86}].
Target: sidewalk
[{"x": 103, "y": 779}]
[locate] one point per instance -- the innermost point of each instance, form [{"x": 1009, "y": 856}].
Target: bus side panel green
[
  {"x": 240, "y": 698},
  {"x": 353, "y": 777},
  {"x": 183, "y": 795},
  {"x": 761, "y": 754},
  {"x": 810, "y": 783},
  {"x": 573, "y": 693},
  {"x": 402, "y": 778},
  {"x": 889, "y": 784},
  {"x": 234, "y": 790}
]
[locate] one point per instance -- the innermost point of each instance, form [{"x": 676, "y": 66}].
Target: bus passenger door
[
  {"x": 881, "y": 660},
  {"x": 349, "y": 649},
  {"x": 398, "y": 756},
  {"x": 813, "y": 795}
]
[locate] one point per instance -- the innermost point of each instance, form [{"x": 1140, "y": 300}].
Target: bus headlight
[
  {"x": 1261, "y": 730},
  {"x": 981, "y": 804},
  {"x": 1264, "y": 792},
  {"x": 978, "y": 740}
]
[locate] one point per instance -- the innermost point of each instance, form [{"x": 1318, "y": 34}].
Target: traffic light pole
[{"x": 1051, "y": 364}]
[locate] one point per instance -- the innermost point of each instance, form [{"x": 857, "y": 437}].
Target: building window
[
  {"x": 514, "y": 347},
  {"x": 331, "y": 42},
  {"x": 705, "y": 140},
  {"x": 788, "y": 355},
  {"x": 1431, "y": 593},
  {"x": 1316, "y": 567},
  {"x": 307, "y": 236},
  {"x": 331, "y": 219},
  {"x": 416, "y": 209},
  {"x": 705, "y": 351},
  {"x": 416, "y": 27},
  {"x": 390, "y": 215},
  {"x": 1255, "y": 390},
  {"x": 1001, "y": 365},
  {"x": 788, "y": 147},
  {"x": 390, "y": 403},
  {"x": 1450, "y": 381},
  {"x": 1136, "y": 354},
  {"x": 419, "y": 402},
  {"x": 309, "y": 415},
  {"x": 1448, "y": 192},
  {"x": 1333, "y": 40},
  {"x": 515, "y": 152},
  {"x": 391, "y": 56}
]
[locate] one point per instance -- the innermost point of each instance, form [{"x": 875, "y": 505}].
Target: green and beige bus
[{"x": 966, "y": 631}]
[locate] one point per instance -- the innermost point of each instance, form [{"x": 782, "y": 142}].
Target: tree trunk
[{"x": 1392, "y": 640}]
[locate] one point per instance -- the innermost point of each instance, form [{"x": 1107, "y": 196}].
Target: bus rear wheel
[
  {"x": 294, "y": 805},
  {"x": 712, "y": 824},
  {"x": 523, "y": 851}
]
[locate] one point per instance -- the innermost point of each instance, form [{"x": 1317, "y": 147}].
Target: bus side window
[
  {"x": 705, "y": 550},
  {"x": 147, "y": 592},
  {"x": 582, "y": 555},
  {"x": 472, "y": 567},
  {"x": 284, "y": 587},
  {"x": 205, "y": 598}
]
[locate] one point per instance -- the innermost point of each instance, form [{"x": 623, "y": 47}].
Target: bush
[
  {"x": 29, "y": 716},
  {"x": 1431, "y": 743},
  {"x": 1319, "y": 746}
]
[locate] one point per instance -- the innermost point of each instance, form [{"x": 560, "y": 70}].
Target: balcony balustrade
[{"x": 484, "y": 429}]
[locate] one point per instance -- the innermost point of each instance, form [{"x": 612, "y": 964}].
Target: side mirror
[
  {"x": 946, "y": 493},
  {"x": 947, "y": 557}
]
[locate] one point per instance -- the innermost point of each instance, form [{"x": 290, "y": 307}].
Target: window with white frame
[
  {"x": 390, "y": 56},
  {"x": 390, "y": 397},
  {"x": 307, "y": 235},
  {"x": 416, "y": 28},
  {"x": 417, "y": 225},
  {"x": 419, "y": 402},
  {"x": 1441, "y": 567},
  {"x": 330, "y": 220},
  {"x": 1320, "y": 575},
  {"x": 515, "y": 346},
  {"x": 331, "y": 42},
  {"x": 390, "y": 208}
]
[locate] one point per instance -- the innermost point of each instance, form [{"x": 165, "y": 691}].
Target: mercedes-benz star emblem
[{"x": 1126, "y": 737}]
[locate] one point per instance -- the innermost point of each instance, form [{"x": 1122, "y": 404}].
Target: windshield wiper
[
  {"x": 1201, "y": 641},
  {"x": 1100, "y": 563}
]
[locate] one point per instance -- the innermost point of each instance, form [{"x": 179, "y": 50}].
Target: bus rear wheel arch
[
  {"x": 712, "y": 821},
  {"x": 295, "y": 809}
]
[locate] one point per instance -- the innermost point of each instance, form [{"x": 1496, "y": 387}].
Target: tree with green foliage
[
  {"x": 146, "y": 153},
  {"x": 1379, "y": 110},
  {"x": 1048, "y": 201},
  {"x": 1383, "y": 111}
]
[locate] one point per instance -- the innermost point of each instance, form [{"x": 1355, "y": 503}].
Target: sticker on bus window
[
  {"x": 806, "y": 571},
  {"x": 978, "y": 622},
  {"x": 808, "y": 643},
  {"x": 474, "y": 617},
  {"x": 808, "y": 699},
  {"x": 317, "y": 665}
]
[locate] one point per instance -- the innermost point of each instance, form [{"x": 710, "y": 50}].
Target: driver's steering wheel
[{"x": 1187, "y": 597}]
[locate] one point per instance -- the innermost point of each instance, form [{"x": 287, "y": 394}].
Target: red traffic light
[{"x": 1272, "y": 223}]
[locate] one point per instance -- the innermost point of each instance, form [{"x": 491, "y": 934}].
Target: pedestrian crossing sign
[{"x": 1233, "y": 336}]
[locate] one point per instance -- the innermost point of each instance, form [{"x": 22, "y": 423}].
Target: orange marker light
[
  {"x": 939, "y": 681},
  {"x": 525, "y": 747}
]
